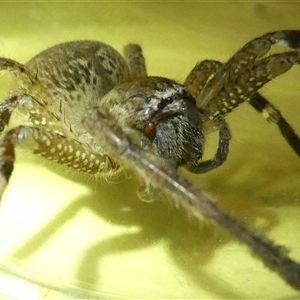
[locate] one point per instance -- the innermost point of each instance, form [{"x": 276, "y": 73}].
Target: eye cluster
[
  {"x": 164, "y": 102},
  {"x": 150, "y": 127}
]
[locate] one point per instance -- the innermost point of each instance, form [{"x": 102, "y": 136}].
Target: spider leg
[
  {"x": 135, "y": 61},
  {"x": 245, "y": 89},
  {"x": 249, "y": 81},
  {"x": 113, "y": 140},
  {"x": 269, "y": 111},
  {"x": 221, "y": 88},
  {"x": 10, "y": 65},
  {"x": 194, "y": 83},
  {"x": 198, "y": 77},
  {"x": 6, "y": 109},
  {"x": 8, "y": 105},
  {"x": 244, "y": 60},
  {"x": 220, "y": 156},
  {"x": 52, "y": 146}
]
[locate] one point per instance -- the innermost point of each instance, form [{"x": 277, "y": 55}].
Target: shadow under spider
[{"x": 190, "y": 245}]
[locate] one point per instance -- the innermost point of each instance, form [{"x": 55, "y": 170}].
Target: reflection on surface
[{"x": 72, "y": 232}]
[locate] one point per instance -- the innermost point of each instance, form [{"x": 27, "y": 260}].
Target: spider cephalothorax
[
  {"x": 165, "y": 114},
  {"x": 87, "y": 107}
]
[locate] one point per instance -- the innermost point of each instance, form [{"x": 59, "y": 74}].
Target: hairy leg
[
  {"x": 135, "y": 61},
  {"x": 198, "y": 77},
  {"x": 10, "y": 65},
  {"x": 245, "y": 59},
  {"x": 219, "y": 88},
  {"x": 272, "y": 114},
  {"x": 194, "y": 200},
  {"x": 52, "y": 146},
  {"x": 220, "y": 156}
]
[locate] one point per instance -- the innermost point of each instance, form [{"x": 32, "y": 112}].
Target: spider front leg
[
  {"x": 236, "y": 73},
  {"x": 247, "y": 86},
  {"x": 239, "y": 80},
  {"x": 194, "y": 83},
  {"x": 199, "y": 76},
  {"x": 197, "y": 203},
  {"x": 221, "y": 154},
  {"x": 52, "y": 146}
]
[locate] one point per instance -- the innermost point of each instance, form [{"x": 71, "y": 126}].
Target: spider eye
[
  {"x": 164, "y": 102},
  {"x": 149, "y": 131},
  {"x": 169, "y": 100}
]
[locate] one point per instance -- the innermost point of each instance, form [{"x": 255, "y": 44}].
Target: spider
[{"x": 87, "y": 107}]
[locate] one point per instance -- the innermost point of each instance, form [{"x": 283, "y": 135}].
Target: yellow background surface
[{"x": 90, "y": 238}]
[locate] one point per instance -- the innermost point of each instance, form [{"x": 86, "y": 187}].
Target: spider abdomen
[{"x": 69, "y": 78}]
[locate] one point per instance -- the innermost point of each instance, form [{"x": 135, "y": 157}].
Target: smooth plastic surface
[{"x": 64, "y": 235}]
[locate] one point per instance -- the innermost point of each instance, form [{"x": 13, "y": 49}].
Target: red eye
[{"x": 149, "y": 131}]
